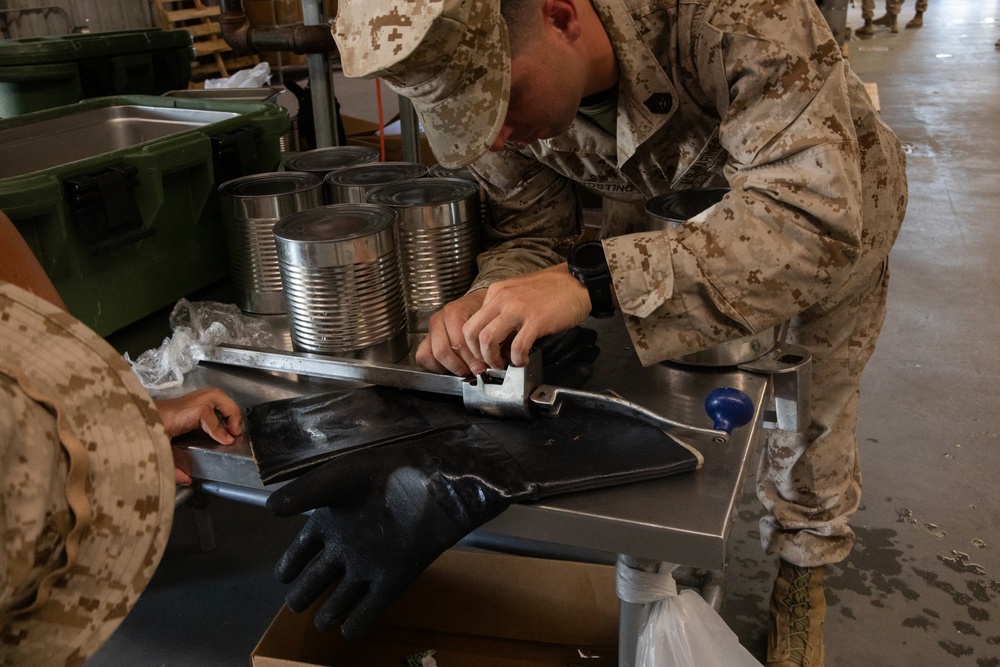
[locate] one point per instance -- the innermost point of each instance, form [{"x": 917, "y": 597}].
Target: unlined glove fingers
[
  {"x": 555, "y": 346},
  {"x": 573, "y": 376},
  {"x": 573, "y": 369},
  {"x": 313, "y": 582},
  {"x": 550, "y": 345},
  {"x": 379, "y": 597},
  {"x": 341, "y": 600},
  {"x": 304, "y": 547}
]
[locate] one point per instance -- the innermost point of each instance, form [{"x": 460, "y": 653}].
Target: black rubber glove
[
  {"x": 386, "y": 512},
  {"x": 568, "y": 357}
]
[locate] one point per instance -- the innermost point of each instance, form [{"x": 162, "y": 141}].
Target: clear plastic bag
[
  {"x": 255, "y": 77},
  {"x": 195, "y": 326},
  {"x": 683, "y": 630}
]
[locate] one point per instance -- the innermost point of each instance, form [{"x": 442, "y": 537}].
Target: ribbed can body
[
  {"x": 342, "y": 286},
  {"x": 251, "y": 207},
  {"x": 438, "y": 234}
]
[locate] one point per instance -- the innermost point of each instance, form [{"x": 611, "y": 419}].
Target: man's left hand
[
  {"x": 211, "y": 410},
  {"x": 523, "y": 309}
]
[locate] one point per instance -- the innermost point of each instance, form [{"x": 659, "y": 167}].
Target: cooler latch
[
  {"x": 104, "y": 208},
  {"x": 234, "y": 153}
]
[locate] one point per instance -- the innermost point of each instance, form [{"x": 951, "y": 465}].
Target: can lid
[
  {"x": 441, "y": 171},
  {"x": 376, "y": 173},
  {"x": 330, "y": 158},
  {"x": 270, "y": 184},
  {"x": 335, "y": 222},
  {"x": 683, "y": 205},
  {"x": 423, "y": 192}
]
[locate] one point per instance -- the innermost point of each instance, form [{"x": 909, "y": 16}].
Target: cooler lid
[{"x": 70, "y": 48}]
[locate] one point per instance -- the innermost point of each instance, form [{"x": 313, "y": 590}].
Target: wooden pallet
[{"x": 214, "y": 58}]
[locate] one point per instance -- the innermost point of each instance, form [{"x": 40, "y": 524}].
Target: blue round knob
[{"x": 729, "y": 408}]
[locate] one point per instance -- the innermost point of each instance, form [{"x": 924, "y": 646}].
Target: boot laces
[{"x": 798, "y": 603}]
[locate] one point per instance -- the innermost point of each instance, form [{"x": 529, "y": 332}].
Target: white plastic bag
[
  {"x": 683, "y": 630},
  {"x": 193, "y": 326},
  {"x": 255, "y": 77}
]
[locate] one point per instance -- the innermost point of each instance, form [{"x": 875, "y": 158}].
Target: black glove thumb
[{"x": 336, "y": 481}]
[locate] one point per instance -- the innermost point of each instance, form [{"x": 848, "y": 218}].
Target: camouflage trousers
[
  {"x": 891, "y": 7},
  {"x": 810, "y": 482}
]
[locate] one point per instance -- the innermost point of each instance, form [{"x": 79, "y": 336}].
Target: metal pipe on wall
[
  {"x": 245, "y": 39},
  {"x": 321, "y": 79},
  {"x": 312, "y": 37}
]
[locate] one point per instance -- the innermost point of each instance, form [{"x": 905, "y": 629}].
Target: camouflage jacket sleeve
[
  {"x": 817, "y": 183},
  {"x": 534, "y": 217},
  {"x": 791, "y": 230}
]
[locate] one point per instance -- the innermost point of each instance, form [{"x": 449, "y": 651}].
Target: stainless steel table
[{"x": 684, "y": 519}]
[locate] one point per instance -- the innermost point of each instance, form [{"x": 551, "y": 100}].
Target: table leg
[{"x": 632, "y": 617}]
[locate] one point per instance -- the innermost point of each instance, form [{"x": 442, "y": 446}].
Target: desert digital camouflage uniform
[
  {"x": 86, "y": 485},
  {"x": 753, "y": 94},
  {"x": 891, "y": 7}
]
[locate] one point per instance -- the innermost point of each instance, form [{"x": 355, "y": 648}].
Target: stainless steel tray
[
  {"x": 58, "y": 141},
  {"x": 266, "y": 94}
]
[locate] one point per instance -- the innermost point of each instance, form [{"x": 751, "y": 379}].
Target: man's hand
[
  {"x": 209, "y": 409},
  {"x": 444, "y": 349},
  {"x": 471, "y": 333},
  {"x": 525, "y": 308}
]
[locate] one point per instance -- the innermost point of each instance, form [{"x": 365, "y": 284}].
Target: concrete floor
[{"x": 923, "y": 584}]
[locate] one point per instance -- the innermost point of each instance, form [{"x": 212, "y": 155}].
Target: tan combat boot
[
  {"x": 917, "y": 21},
  {"x": 885, "y": 19},
  {"x": 795, "y": 619},
  {"x": 867, "y": 30}
]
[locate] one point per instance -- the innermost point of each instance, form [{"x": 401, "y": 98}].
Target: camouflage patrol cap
[
  {"x": 451, "y": 58},
  {"x": 86, "y": 485}
]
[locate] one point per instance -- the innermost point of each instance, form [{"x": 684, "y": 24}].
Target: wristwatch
[{"x": 588, "y": 264}]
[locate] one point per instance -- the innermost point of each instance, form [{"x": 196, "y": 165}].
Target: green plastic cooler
[
  {"x": 47, "y": 72},
  {"x": 117, "y": 196}
]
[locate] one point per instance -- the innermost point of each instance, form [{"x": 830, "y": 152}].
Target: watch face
[{"x": 589, "y": 256}]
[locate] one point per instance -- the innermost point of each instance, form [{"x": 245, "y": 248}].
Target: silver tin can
[
  {"x": 676, "y": 208},
  {"x": 350, "y": 184},
  {"x": 438, "y": 237},
  {"x": 322, "y": 161},
  {"x": 251, "y": 207},
  {"x": 342, "y": 286}
]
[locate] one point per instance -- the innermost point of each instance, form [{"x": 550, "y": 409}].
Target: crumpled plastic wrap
[
  {"x": 255, "y": 77},
  {"x": 195, "y": 326}
]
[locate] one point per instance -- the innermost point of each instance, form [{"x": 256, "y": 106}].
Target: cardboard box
[
  {"x": 365, "y": 133},
  {"x": 474, "y": 609}
]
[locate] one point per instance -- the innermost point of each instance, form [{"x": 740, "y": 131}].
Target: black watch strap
[{"x": 588, "y": 264}]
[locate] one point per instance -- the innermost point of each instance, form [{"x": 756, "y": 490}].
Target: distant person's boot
[
  {"x": 867, "y": 30},
  {"x": 885, "y": 19},
  {"x": 917, "y": 21}
]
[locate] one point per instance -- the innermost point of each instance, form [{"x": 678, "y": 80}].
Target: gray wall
[{"x": 96, "y": 15}]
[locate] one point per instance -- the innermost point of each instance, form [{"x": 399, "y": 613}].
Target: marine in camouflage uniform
[
  {"x": 753, "y": 94},
  {"x": 818, "y": 195},
  {"x": 86, "y": 489}
]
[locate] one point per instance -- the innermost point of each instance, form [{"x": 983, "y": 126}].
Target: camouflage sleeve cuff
[
  {"x": 515, "y": 258},
  {"x": 641, "y": 271}
]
